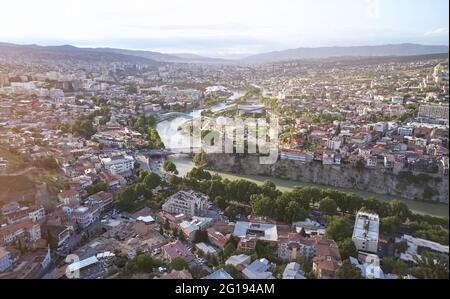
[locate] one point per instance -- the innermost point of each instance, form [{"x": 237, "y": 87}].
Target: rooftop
[
  {"x": 265, "y": 232},
  {"x": 366, "y": 226}
]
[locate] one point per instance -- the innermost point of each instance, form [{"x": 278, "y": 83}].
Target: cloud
[
  {"x": 373, "y": 9},
  {"x": 438, "y": 32}
]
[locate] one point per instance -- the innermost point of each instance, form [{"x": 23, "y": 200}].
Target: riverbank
[
  {"x": 438, "y": 210},
  {"x": 184, "y": 165}
]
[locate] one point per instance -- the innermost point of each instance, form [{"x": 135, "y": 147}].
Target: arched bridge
[{"x": 170, "y": 115}]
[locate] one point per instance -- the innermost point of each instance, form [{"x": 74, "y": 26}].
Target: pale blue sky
[{"x": 224, "y": 27}]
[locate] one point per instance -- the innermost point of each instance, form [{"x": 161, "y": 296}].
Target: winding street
[{"x": 19, "y": 173}]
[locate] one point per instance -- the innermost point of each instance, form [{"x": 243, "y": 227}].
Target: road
[{"x": 19, "y": 173}]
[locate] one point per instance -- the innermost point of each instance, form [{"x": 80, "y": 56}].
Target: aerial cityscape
[{"x": 142, "y": 144}]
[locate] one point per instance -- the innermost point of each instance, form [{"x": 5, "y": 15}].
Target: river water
[{"x": 173, "y": 138}]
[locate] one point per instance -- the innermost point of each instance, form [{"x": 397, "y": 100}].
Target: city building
[
  {"x": 189, "y": 203},
  {"x": 415, "y": 245},
  {"x": 434, "y": 113},
  {"x": 118, "y": 164},
  {"x": 292, "y": 271},
  {"x": 175, "y": 250},
  {"x": 219, "y": 274},
  {"x": 365, "y": 232},
  {"x": 85, "y": 216},
  {"x": 239, "y": 261},
  {"x": 26, "y": 230},
  {"x": 261, "y": 231},
  {"x": 258, "y": 270},
  {"x": 70, "y": 196},
  {"x": 5, "y": 259},
  {"x": 327, "y": 259}
]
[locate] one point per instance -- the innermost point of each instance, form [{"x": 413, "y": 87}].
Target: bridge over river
[
  {"x": 170, "y": 151},
  {"x": 172, "y": 115}
]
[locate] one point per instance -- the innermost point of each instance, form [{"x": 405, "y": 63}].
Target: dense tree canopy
[
  {"x": 328, "y": 206},
  {"x": 169, "y": 166},
  {"x": 348, "y": 271},
  {"x": 338, "y": 229}
]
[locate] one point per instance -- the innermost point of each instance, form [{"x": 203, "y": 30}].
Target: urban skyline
[{"x": 241, "y": 28}]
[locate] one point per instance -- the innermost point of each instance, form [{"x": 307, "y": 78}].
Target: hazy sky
[{"x": 224, "y": 27}]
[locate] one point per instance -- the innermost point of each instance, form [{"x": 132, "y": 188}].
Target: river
[{"x": 172, "y": 138}]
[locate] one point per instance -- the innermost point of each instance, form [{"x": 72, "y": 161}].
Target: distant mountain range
[
  {"x": 68, "y": 52},
  {"x": 357, "y": 51}
]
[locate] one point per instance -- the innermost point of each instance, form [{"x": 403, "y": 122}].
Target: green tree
[
  {"x": 391, "y": 265},
  {"x": 302, "y": 197},
  {"x": 178, "y": 264},
  {"x": 399, "y": 209},
  {"x": 217, "y": 188},
  {"x": 100, "y": 186},
  {"x": 347, "y": 249},
  {"x": 269, "y": 189},
  {"x": 201, "y": 236},
  {"x": 127, "y": 199},
  {"x": 431, "y": 266},
  {"x": 328, "y": 206},
  {"x": 294, "y": 212},
  {"x": 220, "y": 202},
  {"x": 199, "y": 174},
  {"x": 175, "y": 181},
  {"x": 229, "y": 250},
  {"x": 401, "y": 247},
  {"x": 153, "y": 139},
  {"x": 142, "y": 190},
  {"x": 338, "y": 229},
  {"x": 389, "y": 225},
  {"x": 152, "y": 180},
  {"x": 347, "y": 271},
  {"x": 262, "y": 205},
  {"x": 169, "y": 166},
  {"x": 230, "y": 269}
]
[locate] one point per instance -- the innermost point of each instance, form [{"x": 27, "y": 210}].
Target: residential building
[
  {"x": 416, "y": 244},
  {"x": 258, "y": 270},
  {"x": 70, "y": 196},
  {"x": 118, "y": 164},
  {"x": 369, "y": 270},
  {"x": 434, "y": 113},
  {"x": 239, "y": 261},
  {"x": 365, "y": 232},
  {"x": 206, "y": 249},
  {"x": 189, "y": 203},
  {"x": 25, "y": 230},
  {"x": 175, "y": 250},
  {"x": 5, "y": 259},
  {"x": 85, "y": 216},
  {"x": 327, "y": 259},
  {"x": 405, "y": 131},
  {"x": 15, "y": 214},
  {"x": 219, "y": 274},
  {"x": 292, "y": 246},
  {"x": 217, "y": 238},
  {"x": 174, "y": 274},
  {"x": 261, "y": 231},
  {"x": 292, "y": 271},
  {"x": 247, "y": 244},
  {"x": 104, "y": 201},
  {"x": 371, "y": 162}
]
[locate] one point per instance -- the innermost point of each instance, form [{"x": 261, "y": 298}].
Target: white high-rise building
[{"x": 365, "y": 232}]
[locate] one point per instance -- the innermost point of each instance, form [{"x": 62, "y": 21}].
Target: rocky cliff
[{"x": 406, "y": 185}]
